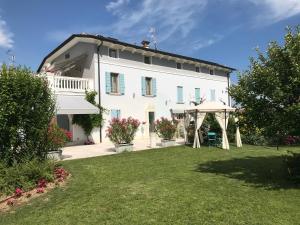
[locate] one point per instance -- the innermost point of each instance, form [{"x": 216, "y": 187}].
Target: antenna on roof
[
  {"x": 152, "y": 33},
  {"x": 11, "y": 57}
]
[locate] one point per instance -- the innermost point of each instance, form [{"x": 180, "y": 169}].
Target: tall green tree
[
  {"x": 26, "y": 109},
  {"x": 269, "y": 91}
]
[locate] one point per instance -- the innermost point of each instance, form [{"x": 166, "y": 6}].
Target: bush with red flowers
[
  {"x": 122, "y": 131},
  {"x": 40, "y": 190},
  {"x": 292, "y": 140},
  {"x": 57, "y": 137},
  {"x": 165, "y": 128},
  {"x": 42, "y": 183},
  {"x": 18, "y": 192},
  {"x": 68, "y": 134},
  {"x": 60, "y": 174}
]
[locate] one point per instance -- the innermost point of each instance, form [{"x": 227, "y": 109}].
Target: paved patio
[{"x": 105, "y": 148}]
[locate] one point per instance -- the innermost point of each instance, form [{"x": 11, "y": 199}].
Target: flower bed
[{"x": 43, "y": 186}]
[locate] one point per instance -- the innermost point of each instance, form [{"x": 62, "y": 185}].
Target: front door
[{"x": 151, "y": 117}]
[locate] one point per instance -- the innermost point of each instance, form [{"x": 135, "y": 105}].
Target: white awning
[{"x": 72, "y": 104}]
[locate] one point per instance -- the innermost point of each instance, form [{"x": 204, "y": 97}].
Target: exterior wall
[{"x": 167, "y": 79}]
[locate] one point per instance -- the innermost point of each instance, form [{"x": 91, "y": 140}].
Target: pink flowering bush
[
  {"x": 165, "y": 128},
  {"x": 122, "y": 131},
  {"x": 18, "y": 192},
  {"x": 292, "y": 140}
]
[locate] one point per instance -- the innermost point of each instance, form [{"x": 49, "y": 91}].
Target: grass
[{"x": 178, "y": 185}]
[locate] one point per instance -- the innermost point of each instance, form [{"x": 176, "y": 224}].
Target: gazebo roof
[{"x": 211, "y": 107}]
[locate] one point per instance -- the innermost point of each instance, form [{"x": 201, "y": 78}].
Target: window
[
  {"x": 114, "y": 83},
  {"x": 212, "y": 95},
  {"x": 115, "y": 113},
  {"x": 67, "y": 56},
  {"x": 147, "y": 59},
  {"x": 179, "y": 94},
  {"x": 112, "y": 53},
  {"x": 211, "y": 71},
  {"x": 148, "y": 86},
  {"x": 197, "y": 95},
  {"x": 179, "y": 66},
  {"x": 197, "y": 69}
]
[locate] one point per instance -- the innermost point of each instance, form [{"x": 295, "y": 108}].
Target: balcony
[{"x": 72, "y": 85}]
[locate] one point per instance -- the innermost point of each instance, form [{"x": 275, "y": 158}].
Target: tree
[
  {"x": 269, "y": 91},
  {"x": 26, "y": 109}
]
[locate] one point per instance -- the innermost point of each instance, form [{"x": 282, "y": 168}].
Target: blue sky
[{"x": 223, "y": 31}]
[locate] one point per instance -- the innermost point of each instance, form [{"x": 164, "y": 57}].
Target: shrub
[
  {"x": 122, "y": 131},
  {"x": 165, "y": 128},
  {"x": 25, "y": 175},
  {"x": 57, "y": 137},
  {"x": 26, "y": 109},
  {"x": 293, "y": 165},
  {"x": 292, "y": 140},
  {"x": 89, "y": 121}
]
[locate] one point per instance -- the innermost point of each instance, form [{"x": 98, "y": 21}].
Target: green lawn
[{"x": 178, "y": 185}]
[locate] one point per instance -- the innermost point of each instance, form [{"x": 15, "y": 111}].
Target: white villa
[{"x": 130, "y": 80}]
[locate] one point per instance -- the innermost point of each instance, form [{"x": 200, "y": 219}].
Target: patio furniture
[{"x": 212, "y": 139}]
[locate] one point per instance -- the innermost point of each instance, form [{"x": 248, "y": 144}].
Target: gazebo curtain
[
  {"x": 199, "y": 117},
  {"x": 186, "y": 126},
  {"x": 238, "y": 134},
  {"x": 222, "y": 117}
]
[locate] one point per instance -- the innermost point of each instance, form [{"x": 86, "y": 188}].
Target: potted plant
[
  {"x": 121, "y": 132},
  {"x": 166, "y": 130},
  {"x": 57, "y": 138}
]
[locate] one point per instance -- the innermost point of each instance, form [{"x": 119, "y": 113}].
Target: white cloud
[
  {"x": 207, "y": 42},
  {"x": 6, "y": 36},
  {"x": 273, "y": 11},
  {"x": 114, "y": 6},
  {"x": 169, "y": 18}
]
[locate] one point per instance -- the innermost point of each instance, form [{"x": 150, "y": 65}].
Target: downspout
[
  {"x": 99, "y": 83},
  {"x": 228, "y": 85}
]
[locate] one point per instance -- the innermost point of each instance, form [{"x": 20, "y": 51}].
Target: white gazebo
[{"x": 221, "y": 112}]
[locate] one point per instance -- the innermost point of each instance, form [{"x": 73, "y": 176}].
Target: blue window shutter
[
  {"x": 107, "y": 82},
  {"x": 122, "y": 84},
  {"x": 143, "y": 79},
  {"x": 154, "y": 86},
  {"x": 180, "y": 94},
  {"x": 212, "y": 95},
  {"x": 113, "y": 113},
  {"x": 197, "y": 95}
]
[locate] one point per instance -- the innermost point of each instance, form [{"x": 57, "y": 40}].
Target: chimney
[{"x": 145, "y": 43}]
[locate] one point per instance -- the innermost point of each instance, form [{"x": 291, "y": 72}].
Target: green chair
[{"x": 212, "y": 139}]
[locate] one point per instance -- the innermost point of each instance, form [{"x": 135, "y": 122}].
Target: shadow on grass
[{"x": 265, "y": 172}]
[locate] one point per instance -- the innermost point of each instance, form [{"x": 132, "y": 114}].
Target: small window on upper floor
[
  {"x": 113, "y": 53},
  {"x": 179, "y": 66},
  {"x": 67, "y": 56},
  {"x": 147, "y": 60},
  {"x": 211, "y": 71},
  {"x": 197, "y": 69}
]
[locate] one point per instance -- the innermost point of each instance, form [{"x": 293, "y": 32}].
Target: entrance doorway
[{"x": 151, "y": 117}]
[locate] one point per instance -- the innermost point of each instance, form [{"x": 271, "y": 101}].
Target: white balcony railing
[{"x": 69, "y": 84}]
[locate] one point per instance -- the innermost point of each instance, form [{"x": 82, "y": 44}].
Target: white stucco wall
[
  {"x": 133, "y": 103},
  {"x": 167, "y": 79}
]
